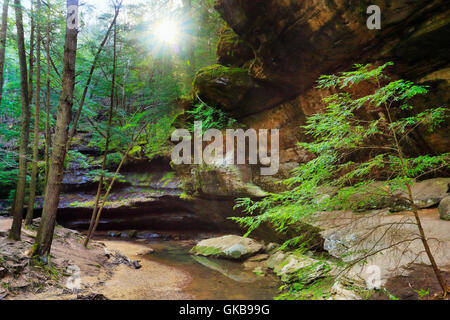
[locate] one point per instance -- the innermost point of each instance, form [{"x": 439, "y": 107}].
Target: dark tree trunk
[
  {"x": 45, "y": 234},
  {"x": 91, "y": 72},
  {"x": 3, "y": 32},
  {"x": 19, "y": 198},
  {"x": 31, "y": 56},
  {"x": 190, "y": 50},
  {"x": 37, "y": 106},
  {"x": 47, "y": 102}
]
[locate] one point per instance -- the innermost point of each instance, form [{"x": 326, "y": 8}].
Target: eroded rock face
[
  {"x": 234, "y": 91},
  {"x": 228, "y": 247},
  {"x": 231, "y": 50},
  {"x": 225, "y": 181},
  {"x": 293, "y": 43},
  {"x": 296, "y": 41}
]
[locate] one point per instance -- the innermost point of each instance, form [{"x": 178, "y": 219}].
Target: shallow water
[{"x": 215, "y": 279}]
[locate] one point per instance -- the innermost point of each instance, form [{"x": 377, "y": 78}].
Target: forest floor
[
  {"x": 121, "y": 269},
  {"x": 103, "y": 270}
]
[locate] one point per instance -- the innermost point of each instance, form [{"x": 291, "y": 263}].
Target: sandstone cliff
[{"x": 271, "y": 52}]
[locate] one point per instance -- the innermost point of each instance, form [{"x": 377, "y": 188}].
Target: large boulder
[
  {"x": 228, "y": 247},
  {"x": 426, "y": 194},
  {"x": 429, "y": 193},
  {"x": 444, "y": 209},
  {"x": 382, "y": 239},
  {"x": 294, "y": 267}
]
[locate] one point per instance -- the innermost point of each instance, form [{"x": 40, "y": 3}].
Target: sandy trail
[{"x": 154, "y": 281}]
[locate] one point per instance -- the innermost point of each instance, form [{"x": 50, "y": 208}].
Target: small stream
[{"x": 215, "y": 279}]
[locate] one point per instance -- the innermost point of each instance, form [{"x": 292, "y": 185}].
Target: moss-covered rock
[
  {"x": 228, "y": 247},
  {"x": 294, "y": 267},
  {"x": 222, "y": 86},
  {"x": 231, "y": 50}
]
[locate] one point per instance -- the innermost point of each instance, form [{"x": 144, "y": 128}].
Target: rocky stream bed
[{"x": 157, "y": 242}]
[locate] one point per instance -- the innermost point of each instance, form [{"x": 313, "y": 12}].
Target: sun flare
[{"x": 168, "y": 32}]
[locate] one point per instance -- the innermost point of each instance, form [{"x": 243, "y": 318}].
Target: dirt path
[{"x": 153, "y": 281}]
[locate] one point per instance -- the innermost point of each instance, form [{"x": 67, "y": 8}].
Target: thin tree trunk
[
  {"x": 19, "y": 199},
  {"x": 3, "y": 32},
  {"x": 44, "y": 237},
  {"x": 190, "y": 54},
  {"x": 436, "y": 270},
  {"x": 423, "y": 237},
  {"x": 91, "y": 72},
  {"x": 37, "y": 106},
  {"x": 31, "y": 56},
  {"x": 108, "y": 138},
  {"x": 47, "y": 102},
  {"x": 105, "y": 198}
]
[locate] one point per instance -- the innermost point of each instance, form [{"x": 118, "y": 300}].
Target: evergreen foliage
[{"x": 332, "y": 179}]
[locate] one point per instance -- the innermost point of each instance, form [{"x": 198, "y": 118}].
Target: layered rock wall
[{"x": 294, "y": 42}]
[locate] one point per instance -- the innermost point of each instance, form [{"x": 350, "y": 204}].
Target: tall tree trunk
[
  {"x": 190, "y": 51},
  {"x": 3, "y": 32},
  {"x": 91, "y": 72},
  {"x": 44, "y": 237},
  {"x": 47, "y": 102},
  {"x": 19, "y": 198},
  {"x": 37, "y": 106},
  {"x": 31, "y": 55},
  {"x": 108, "y": 138}
]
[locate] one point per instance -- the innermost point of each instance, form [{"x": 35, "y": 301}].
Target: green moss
[
  {"x": 318, "y": 290},
  {"x": 185, "y": 196},
  {"x": 228, "y": 41},
  {"x": 82, "y": 204},
  {"x": 225, "y": 88},
  {"x": 219, "y": 71},
  {"x": 231, "y": 50},
  {"x": 48, "y": 269},
  {"x": 205, "y": 251}
]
